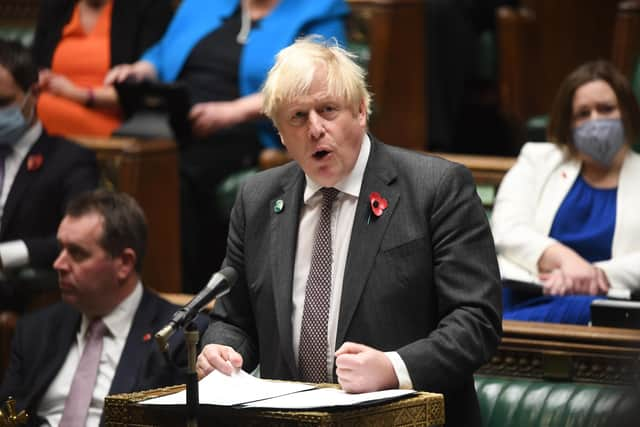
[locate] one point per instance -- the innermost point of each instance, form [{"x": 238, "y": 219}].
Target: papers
[
  {"x": 243, "y": 390},
  {"x": 512, "y": 271},
  {"x": 619, "y": 294},
  {"x": 228, "y": 390},
  {"x": 326, "y": 397}
]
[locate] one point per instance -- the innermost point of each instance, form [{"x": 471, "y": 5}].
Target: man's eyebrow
[{"x": 73, "y": 246}]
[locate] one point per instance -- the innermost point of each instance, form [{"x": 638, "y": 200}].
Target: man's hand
[
  {"x": 217, "y": 357},
  {"x": 363, "y": 369}
]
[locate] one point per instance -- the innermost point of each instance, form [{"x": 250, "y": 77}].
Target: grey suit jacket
[{"x": 422, "y": 279}]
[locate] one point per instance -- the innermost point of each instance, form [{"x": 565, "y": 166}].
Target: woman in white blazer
[{"x": 567, "y": 215}]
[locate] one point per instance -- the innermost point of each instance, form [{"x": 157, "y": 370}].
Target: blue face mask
[
  {"x": 13, "y": 124},
  {"x": 600, "y": 139}
]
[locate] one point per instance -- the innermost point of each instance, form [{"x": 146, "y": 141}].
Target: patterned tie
[
  {"x": 312, "y": 356},
  {"x": 76, "y": 406}
]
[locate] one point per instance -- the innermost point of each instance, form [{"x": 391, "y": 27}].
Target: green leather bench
[
  {"x": 557, "y": 375},
  {"x": 521, "y": 402}
]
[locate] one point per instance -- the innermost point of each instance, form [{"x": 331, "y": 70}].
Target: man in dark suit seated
[
  {"x": 398, "y": 285},
  {"x": 66, "y": 358},
  {"x": 39, "y": 174}
]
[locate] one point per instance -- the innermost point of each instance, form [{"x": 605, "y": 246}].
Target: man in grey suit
[{"x": 411, "y": 274}]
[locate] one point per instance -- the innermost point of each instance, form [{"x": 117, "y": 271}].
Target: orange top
[{"x": 84, "y": 58}]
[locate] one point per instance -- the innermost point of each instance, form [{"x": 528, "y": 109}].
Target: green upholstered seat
[
  {"x": 519, "y": 402},
  {"x": 537, "y": 128},
  {"x": 228, "y": 189},
  {"x": 23, "y": 34}
]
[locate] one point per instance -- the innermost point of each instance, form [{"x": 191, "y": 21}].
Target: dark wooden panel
[
  {"x": 568, "y": 353},
  {"x": 148, "y": 171},
  {"x": 625, "y": 50},
  {"x": 543, "y": 41},
  {"x": 394, "y": 32},
  {"x": 18, "y": 12}
]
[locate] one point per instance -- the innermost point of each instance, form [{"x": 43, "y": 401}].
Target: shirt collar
[
  {"x": 118, "y": 322},
  {"x": 351, "y": 183},
  {"x": 27, "y": 140}
]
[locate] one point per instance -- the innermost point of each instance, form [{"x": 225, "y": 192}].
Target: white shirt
[
  {"x": 15, "y": 253},
  {"x": 118, "y": 324},
  {"x": 342, "y": 216}
]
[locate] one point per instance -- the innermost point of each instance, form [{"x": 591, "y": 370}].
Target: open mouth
[{"x": 320, "y": 154}]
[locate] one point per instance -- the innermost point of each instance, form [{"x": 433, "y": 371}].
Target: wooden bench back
[
  {"x": 148, "y": 171},
  {"x": 541, "y": 42}
]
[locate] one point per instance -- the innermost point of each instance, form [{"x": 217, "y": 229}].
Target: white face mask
[
  {"x": 600, "y": 139},
  {"x": 13, "y": 124}
]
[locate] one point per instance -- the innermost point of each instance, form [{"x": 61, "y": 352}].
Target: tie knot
[
  {"x": 96, "y": 328},
  {"x": 329, "y": 195}
]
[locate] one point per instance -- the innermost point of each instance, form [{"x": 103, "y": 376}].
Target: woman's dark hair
[
  {"x": 16, "y": 58},
  {"x": 560, "y": 128},
  {"x": 124, "y": 224}
]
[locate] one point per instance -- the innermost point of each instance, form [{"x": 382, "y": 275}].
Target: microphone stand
[
  {"x": 191, "y": 337},
  {"x": 219, "y": 285}
]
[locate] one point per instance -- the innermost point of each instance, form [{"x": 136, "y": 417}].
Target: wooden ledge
[
  {"x": 594, "y": 335},
  {"x": 125, "y": 144}
]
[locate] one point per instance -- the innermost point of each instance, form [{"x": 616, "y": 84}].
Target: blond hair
[{"x": 295, "y": 67}]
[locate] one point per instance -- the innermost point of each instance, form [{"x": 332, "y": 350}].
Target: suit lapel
[
  {"x": 283, "y": 254},
  {"x": 136, "y": 349},
  {"x": 367, "y": 233},
  {"x": 62, "y": 337},
  {"x": 23, "y": 180}
]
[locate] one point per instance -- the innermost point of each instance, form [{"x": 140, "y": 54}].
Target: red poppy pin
[
  {"x": 378, "y": 204},
  {"x": 146, "y": 337},
  {"x": 34, "y": 162}
]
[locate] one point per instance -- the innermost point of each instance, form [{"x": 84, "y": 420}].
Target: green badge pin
[{"x": 278, "y": 206}]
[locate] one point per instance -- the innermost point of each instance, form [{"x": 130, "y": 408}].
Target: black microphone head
[{"x": 230, "y": 274}]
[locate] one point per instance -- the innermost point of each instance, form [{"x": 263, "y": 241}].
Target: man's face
[
  {"x": 88, "y": 276},
  {"x": 10, "y": 92},
  {"x": 322, "y": 133}
]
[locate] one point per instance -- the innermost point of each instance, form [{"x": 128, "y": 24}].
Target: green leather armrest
[{"x": 516, "y": 402}]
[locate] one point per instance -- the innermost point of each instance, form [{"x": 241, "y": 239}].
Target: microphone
[{"x": 219, "y": 285}]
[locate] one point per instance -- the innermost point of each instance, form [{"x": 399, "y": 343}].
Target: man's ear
[
  {"x": 127, "y": 265},
  {"x": 362, "y": 113},
  {"x": 281, "y": 139}
]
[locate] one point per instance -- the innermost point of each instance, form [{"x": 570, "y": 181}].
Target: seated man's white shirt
[
  {"x": 342, "y": 217},
  {"x": 15, "y": 253},
  {"x": 118, "y": 324}
]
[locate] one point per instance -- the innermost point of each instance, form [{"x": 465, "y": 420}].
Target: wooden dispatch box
[{"x": 422, "y": 409}]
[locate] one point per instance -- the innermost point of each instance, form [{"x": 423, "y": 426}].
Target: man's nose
[
  {"x": 316, "y": 125},
  {"x": 60, "y": 261}
]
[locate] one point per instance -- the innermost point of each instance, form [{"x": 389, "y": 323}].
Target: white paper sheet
[
  {"x": 510, "y": 270},
  {"x": 326, "y": 397},
  {"x": 240, "y": 387}
]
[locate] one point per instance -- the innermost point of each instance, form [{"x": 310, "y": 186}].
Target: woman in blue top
[
  {"x": 223, "y": 50},
  {"x": 566, "y": 215}
]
